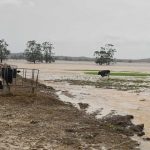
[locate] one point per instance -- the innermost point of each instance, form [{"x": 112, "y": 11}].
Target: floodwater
[{"x": 104, "y": 100}]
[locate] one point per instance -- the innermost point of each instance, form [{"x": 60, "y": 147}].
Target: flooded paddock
[{"x": 104, "y": 100}]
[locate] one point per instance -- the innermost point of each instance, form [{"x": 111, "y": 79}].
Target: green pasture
[{"x": 125, "y": 73}]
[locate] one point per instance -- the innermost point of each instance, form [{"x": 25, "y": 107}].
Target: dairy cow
[{"x": 7, "y": 74}]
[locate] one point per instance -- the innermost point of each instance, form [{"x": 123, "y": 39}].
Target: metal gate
[{"x": 12, "y": 77}]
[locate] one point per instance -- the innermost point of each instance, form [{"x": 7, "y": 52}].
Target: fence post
[{"x": 33, "y": 81}]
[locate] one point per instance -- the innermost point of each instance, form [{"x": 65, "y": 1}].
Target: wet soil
[
  {"x": 116, "y": 100},
  {"x": 112, "y": 83},
  {"x": 42, "y": 122}
]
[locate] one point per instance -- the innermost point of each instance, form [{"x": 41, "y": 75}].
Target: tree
[
  {"x": 4, "y": 52},
  {"x": 48, "y": 55},
  {"x": 33, "y": 52},
  {"x": 105, "y": 55}
]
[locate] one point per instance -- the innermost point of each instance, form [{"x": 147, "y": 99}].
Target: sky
[{"x": 78, "y": 27}]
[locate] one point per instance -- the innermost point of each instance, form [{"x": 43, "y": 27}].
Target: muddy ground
[{"x": 42, "y": 122}]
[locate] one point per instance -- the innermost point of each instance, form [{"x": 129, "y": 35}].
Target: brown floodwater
[{"x": 104, "y": 100}]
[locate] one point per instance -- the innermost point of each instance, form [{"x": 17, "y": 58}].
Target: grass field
[{"x": 126, "y": 73}]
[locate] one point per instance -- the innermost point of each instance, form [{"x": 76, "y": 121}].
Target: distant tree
[
  {"x": 4, "y": 52},
  {"x": 105, "y": 55},
  {"x": 16, "y": 56},
  {"x": 48, "y": 55},
  {"x": 33, "y": 52},
  {"x": 129, "y": 61}
]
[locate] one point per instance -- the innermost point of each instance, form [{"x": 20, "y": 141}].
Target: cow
[
  {"x": 8, "y": 73},
  {"x": 1, "y": 85},
  {"x": 104, "y": 73}
]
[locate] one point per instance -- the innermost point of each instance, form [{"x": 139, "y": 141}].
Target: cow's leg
[{"x": 108, "y": 76}]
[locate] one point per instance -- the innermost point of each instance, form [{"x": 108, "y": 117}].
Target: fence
[{"x": 12, "y": 77}]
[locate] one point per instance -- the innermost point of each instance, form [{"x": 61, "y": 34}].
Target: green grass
[{"x": 134, "y": 74}]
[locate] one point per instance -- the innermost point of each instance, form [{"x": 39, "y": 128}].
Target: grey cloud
[
  {"x": 17, "y": 2},
  {"x": 12, "y": 2},
  {"x": 78, "y": 27}
]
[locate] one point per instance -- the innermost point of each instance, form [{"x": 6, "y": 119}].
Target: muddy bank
[
  {"x": 105, "y": 101},
  {"x": 123, "y": 124},
  {"x": 42, "y": 121},
  {"x": 109, "y": 99}
]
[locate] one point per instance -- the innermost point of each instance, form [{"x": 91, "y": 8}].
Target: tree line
[{"x": 36, "y": 52}]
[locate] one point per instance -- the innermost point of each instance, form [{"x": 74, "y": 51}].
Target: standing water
[{"x": 105, "y": 100}]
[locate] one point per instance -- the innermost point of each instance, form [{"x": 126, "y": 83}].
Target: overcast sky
[{"x": 78, "y": 27}]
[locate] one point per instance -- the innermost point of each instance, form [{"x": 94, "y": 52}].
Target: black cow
[
  {"x": 104, "y": 73},
  {"x": 8, "y": 74},
  {"x": 1, "y": 85}
]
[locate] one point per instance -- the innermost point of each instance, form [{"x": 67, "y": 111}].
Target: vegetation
[
  {"x": 36, "y": 52},
  {"x": 16, "y": 56},
  {"x": 4, "y": 52},
  {"x": 68, "y": 58},
  {"x": 48, "y": 54},
  {"x": 105, "y": 55},
  {"x": 33, "y": 52},
  {"x": 135, "y": 74}
]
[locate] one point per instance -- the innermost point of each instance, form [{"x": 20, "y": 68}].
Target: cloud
[
  {"x": 10, "y": 2},
  {"x": 29, "y": 3}
]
